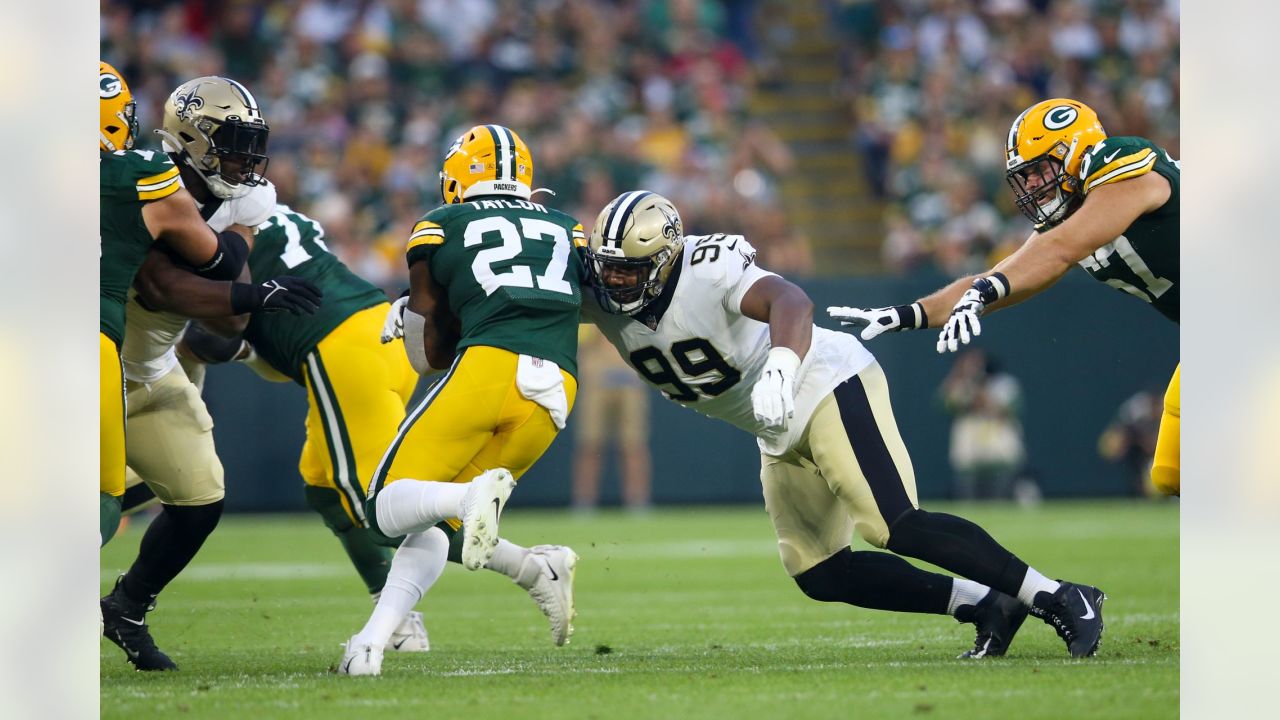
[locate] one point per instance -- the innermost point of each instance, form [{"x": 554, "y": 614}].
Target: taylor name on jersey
[{"x": 702, "y": 352}]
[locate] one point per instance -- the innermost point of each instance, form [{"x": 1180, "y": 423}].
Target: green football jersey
[
  {"x": 1143, "y": 261},
  {"x": 127, "y": 180},
  {"x": 511, "y": 274},
  {"x": 291, "y": 243}
]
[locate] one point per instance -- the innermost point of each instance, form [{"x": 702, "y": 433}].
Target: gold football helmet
[
  {"x": 216, "y": 128},
  {"x": 1046, "y": 145},
  {"x": 118, "y": 122},
  {"x": 636, "y": 242},
  {"x": 486, "y": 160}
]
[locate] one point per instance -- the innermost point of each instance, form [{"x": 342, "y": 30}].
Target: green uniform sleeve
[{"x": 1116, "y": 159}]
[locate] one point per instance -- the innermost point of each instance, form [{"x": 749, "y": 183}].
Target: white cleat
[
  {"x": 547, "y": 574},
  {"x": 411, "y": 636},
  {"x": 360, "y": 659},
  {"x": 482, "y": 507}
]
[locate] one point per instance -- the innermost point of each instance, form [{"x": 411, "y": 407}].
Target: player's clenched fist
[{"x": 773, "y": 399}]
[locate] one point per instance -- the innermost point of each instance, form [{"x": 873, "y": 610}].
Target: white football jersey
[
  {"x": 150, "y": 336},
  {"x": 706, "y": 355}
]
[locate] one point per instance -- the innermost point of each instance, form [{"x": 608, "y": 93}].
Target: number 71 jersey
[
  {"x": 510, "y": 272},
  {"x": 704, "y": 354}
]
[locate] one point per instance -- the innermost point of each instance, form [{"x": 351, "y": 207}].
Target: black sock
[
  {"x": 172, "y": 539},
  {"x": 959, "y": 546},
  {"x": 878, "y": 581}
]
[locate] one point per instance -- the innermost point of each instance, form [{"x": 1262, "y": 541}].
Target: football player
[
  {"x": 1107, "y": 204},
  {"x": 700, "y": 321},
  {"x": 141, "y": 201},
  {"x": 216, "y": 140},
  {"x": 494, "y": 297},
  {"x": 357, "y": 389}
]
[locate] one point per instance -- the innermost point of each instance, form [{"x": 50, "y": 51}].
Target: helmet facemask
[
  {"x": 237, "y": 157},
  {"x": 609, "y": 279},
  {"x": 128, "y": 117},
  {"x": 217, "y": 129},
  {"x": 1043, "y": 190}
]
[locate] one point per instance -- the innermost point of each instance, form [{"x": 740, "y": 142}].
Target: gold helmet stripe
[{"x": 618, "y": 218}]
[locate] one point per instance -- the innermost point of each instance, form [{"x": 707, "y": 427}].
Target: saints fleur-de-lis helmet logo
[{"x": 187, "y": 103}]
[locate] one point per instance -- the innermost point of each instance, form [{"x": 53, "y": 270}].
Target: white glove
[
  {"x": 873, "y": 321},
  {"x": 963, "y": 323},
  {"x": 773, "y": 398},
  {"x": 393, "y": 326}
]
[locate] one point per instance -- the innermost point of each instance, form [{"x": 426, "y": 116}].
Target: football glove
[
  {"x": 773, "y": 398},
  {"x": 283, "y": 294},
  {"x": 393, "y": 326},
  {"x": 963, "y": 325},
  {"x": 873, "y": 321}
]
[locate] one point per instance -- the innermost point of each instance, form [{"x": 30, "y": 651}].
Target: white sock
[
  {"x": 1034, "y": 583},
  {"x": 965, "y": 592},
  {"x": 416, "y": 566},
  {"x": 411, "y": 506},
  {"x": 507, "y": 559}
]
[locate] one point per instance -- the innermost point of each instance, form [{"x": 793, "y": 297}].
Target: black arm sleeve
[{"x": 229, "y": 260}]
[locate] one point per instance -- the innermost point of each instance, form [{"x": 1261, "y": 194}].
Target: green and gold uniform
[
  {"x": 127, "y": 180},
  {"x": 513, "y": 280},
  {"x": 1143, "y": 262},
  {"x": 357, "y": 388}
]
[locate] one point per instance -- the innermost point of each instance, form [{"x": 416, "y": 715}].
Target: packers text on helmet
[
  {"x": 636, "y": 242},
  {"x": 486, "y": 160},
  {"x": 1042, "y": 158},
  {"x": 217, "y": 129},
  {"x": 118, "y": 122}
]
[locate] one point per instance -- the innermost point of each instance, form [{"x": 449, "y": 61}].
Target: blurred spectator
[
  {"x": 612, "y": 410},
  {"x": 1130, "y": 439},
  {"x": 987, "y": 451}
]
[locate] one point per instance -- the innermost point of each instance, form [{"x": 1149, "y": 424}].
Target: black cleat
[
  {"x": 1075, "y": 613},
  {"x": 124, "y": 622},
  {"x": 998, "y": 618}
]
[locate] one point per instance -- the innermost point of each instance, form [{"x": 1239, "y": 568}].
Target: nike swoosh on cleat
[
  {"x": 554, "y": 576},
  {"x": 496, "y": 507},
  {"x": 397, "y": 645},
  {"x": 1088, "y": 609}
]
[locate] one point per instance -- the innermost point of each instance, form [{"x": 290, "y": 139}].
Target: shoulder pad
[
  {"x": 719, "y": 258},
  {"x": 1116, "y": 159}
]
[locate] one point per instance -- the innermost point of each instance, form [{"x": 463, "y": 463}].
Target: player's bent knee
[
  {"x": 1166, "y": 479},
  {"x": 826, "y": 581},
  {"x": 877, "y": 534}
]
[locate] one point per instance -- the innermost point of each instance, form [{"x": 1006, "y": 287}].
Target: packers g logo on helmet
[
  {"x": 117, "y": 122},
  {"x": 635, "y": 244},
  {"x": 217, "y": 129},
  {"x": 486, "y": 160},
  {"x": 1042, "y": 158}
]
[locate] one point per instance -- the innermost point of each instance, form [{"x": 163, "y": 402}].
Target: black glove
[
  {"x": 285, "y": 293},
  {"x": 210, "y": 348}
]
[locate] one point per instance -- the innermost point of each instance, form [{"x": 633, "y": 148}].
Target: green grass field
[{"x": 681, "y": 614}]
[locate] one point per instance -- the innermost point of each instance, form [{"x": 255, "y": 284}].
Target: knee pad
[
  {"x": 328, "y": 504},
  {"x": 1166, "y": 479}
]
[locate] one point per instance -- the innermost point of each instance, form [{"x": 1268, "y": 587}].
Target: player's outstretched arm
[
  {"x": 1047, "y": 256},
  {"x": 163, "y": 285},
  {"x": 789, "y": 312}
]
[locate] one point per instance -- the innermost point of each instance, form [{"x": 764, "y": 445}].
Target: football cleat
[
  {"x": 547, "y": 574},
  {"x": 124, "y": 623},
  {"x": 360, "y": 659},
  {"x": 482, "y": 507},
  {"x": 1075, "y": 613},
  {"x": 998, "y": 617},
  {"x": 410, "y": 636}
]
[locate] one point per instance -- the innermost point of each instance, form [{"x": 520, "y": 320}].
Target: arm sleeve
[
  {"x": 426, "y": 236},
  {"x": 1114, "y": 160}
]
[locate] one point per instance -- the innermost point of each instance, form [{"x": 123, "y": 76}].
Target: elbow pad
[
  {"x": 415, "y": 330},
  {"x": 229, "y": 259}
]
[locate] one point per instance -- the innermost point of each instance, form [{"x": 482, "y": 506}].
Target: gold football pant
[
  {"x": 357, "y": 389},
  {"x": 110, "y": 418},
  {"x": 849, "y": 471},
  {"x": 472, "y": 420},
  {"x": 170, "y": 443},
  {"x": 1166, "y": 468}
]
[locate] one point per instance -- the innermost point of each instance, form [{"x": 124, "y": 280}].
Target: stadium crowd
[
  {"x": 364, "y": 96},
  {"x": 934, "y": 84}
]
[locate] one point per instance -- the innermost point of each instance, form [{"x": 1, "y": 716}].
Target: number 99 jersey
[{"x": 694, "y": 344}]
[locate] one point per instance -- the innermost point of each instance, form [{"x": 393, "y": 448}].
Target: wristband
[
  {"x": 912, "y": 317},
  {"x": 244, "y": 298},
  {"x": 992, "y": 287}
]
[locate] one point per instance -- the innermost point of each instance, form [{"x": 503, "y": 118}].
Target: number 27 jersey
[{"x": 704, "y": 354}]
